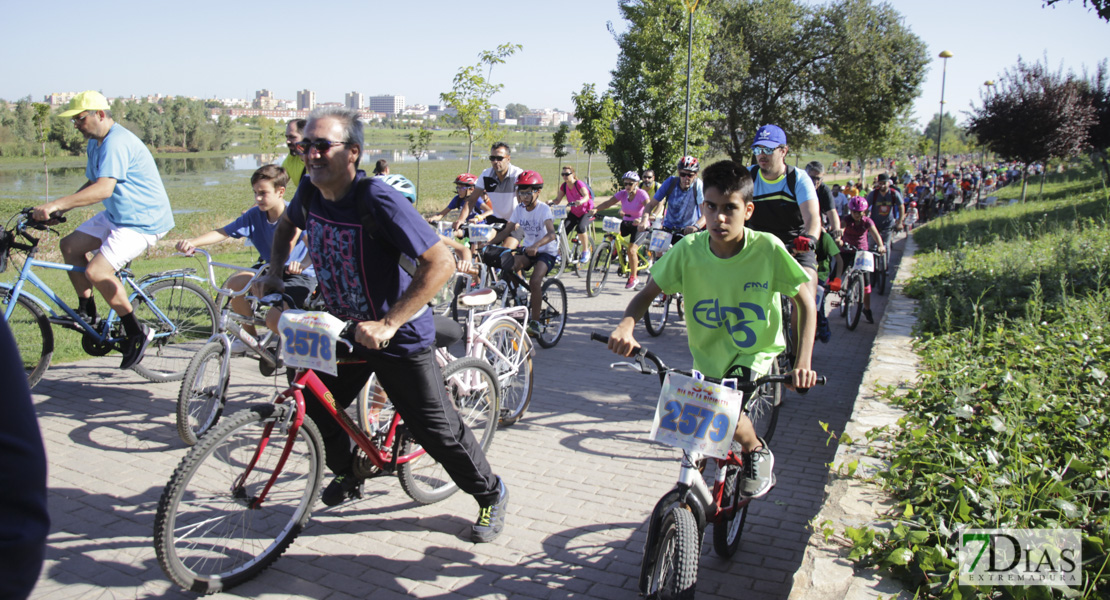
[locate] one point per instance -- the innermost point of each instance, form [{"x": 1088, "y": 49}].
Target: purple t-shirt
[
  {"x": 855, "y": 232},
  {"x": 359, "y": 278}
]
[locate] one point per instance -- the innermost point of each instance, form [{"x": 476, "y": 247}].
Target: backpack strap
[{"x": 792, "y": 181}]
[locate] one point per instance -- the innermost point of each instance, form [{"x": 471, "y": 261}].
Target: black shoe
[
  {"x": 491, "y": 519},
  {"x": 90, "y": 319},
  {"x": 134, "y": 347},
  {"x": 341, "y": 489},
  {"x": 867, "y": 315}
]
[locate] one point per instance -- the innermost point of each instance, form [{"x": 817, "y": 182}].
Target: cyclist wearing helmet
[
  {"x": 634, "y": 219},
  {"x": 540, "y": 242},
  {"x": 683, "y": 195},
  {"x": 464, "y": 187},
  {"x": 911, "y": 215},
  {"x": 360, "y": 277},
  {"x": 856, "y": 229},
  {"x": 497, "y": 185}
]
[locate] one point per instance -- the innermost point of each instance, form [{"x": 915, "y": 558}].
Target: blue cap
[{"x": 770, "y": 136}]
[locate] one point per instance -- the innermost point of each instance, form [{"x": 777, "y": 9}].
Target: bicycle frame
[{"x": 230, "y": 321}]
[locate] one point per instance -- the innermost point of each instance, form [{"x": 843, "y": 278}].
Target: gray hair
[
  {"x": 351, "y": 125},
  {"x": 815, "y": 167}
]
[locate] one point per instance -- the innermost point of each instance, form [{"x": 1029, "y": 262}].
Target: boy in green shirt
[{"x": 730, "y": 278}]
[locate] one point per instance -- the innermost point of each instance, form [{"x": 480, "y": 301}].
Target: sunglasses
[
  {"x": 687, "y": 174},
  {"x": 758, "y": 150},
  {"x": 462, "y": 186},
  {"x": 81, "y": 118},
  {"x": 525, "y": 191},
  {"x": 497, "y": 158},
  {"x": 321, "y": 146},
  {"x": 628, "y": 183},
  {"x": 567, "y": 174}
]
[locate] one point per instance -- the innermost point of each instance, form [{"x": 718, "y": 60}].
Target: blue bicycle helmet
[{"x": 401, "y": 184}]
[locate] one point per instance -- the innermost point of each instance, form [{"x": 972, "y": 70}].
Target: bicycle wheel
[
  {"x": 203, "y": 393},
  {"x": 513, "y": 366},
  {"x": 598, "y": 272},
  {"x": 374, "y": 408},
  {"x": 193, "y": 319},
  {"x": 655, "y": 319},
  {"x": 553, "y": 313},
  {"x": 209, "y": 534},
  {"x": 879, "y": 282},
  {"x": 34, "y": 337},
  {"x": 676, "y": 557},
  {"x": 726, "y": 533},
  {"x": 853, "y": 301},
  {"x": 560, "y": 265},
  {"x": 763, "y": 406},
  {"x": 472, "y": 386}
]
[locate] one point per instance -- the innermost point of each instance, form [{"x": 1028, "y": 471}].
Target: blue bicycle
[{"x": 178, "y": 310}]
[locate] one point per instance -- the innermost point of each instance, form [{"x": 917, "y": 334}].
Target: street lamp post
[
  {"x": 982, "y": 150},
  {"x": 940, "y": 122}
]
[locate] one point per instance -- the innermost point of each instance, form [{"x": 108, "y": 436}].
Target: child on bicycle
[
  {"x": 731, "y": 278},
  {"x": 464, "y": 186},
  {"x": 633, "y": 219},
  {"x": 856, "y": 229},
  {"x": 540, "y": 242},
  {"x": 258, "y": 224}
]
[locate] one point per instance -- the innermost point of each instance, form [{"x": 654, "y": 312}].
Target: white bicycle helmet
[{"x": 401, "y": 184}]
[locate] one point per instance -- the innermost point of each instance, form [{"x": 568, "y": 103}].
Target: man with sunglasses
[
  {"x": 121, "y": 173},
  {"x": 294, "y": 163},
  {"x": 497, "y": 185},
  {"x": 683, "y": 195},
  {"x": 359, "y": 274}
]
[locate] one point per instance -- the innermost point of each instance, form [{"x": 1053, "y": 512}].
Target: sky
[{"x": 231, "y": 49}]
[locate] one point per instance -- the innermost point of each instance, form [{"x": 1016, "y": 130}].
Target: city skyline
[{"x": 570, "y": 46}]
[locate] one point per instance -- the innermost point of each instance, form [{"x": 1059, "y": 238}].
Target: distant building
[
  {"x": 353, "y": 101},
  {"x": 59, "y": 99},
  {"x": 390, "y": 105},
  {"x": 497, "y": 114},
  {"x": 264, "y": 99},
  {"x": 306, "y": 100}
]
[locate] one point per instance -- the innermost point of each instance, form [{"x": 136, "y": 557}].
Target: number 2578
[{"x": 306, "y": 343}]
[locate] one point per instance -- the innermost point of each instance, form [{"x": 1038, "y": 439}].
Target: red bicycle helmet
[
  {"x": 466, "y": 179},
  {"x": 529, "y": 179},
  {"x": 688, "y": 163}
]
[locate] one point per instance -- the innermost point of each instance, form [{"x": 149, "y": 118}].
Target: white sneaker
[
  {"x": 584, "y": 258},
  {"x": 238, "y": 347}
]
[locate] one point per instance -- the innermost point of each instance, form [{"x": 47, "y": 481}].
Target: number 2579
[{"x": 695, "y": 421}]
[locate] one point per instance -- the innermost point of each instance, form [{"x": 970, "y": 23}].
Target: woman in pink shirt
[
  {"x": 634, "y": 219},
  {"x": 581, "y": 211}
]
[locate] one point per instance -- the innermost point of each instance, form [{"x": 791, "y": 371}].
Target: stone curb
[{"x": 826, "y": 572}]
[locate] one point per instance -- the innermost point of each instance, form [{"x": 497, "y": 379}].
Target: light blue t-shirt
[
  {"x": 139, "y": 200},
  {"x": 683, "y": 207},
  {"x": 255, "y": 226}
]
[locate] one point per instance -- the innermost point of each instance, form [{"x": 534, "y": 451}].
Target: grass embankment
[{"x": 1008, "y": 425}]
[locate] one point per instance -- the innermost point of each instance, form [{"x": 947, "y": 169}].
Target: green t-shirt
[
  {"x": 294, "y": 166},
  {"x": 826, "y": 249},
  {"x": 733, "y": 316}
]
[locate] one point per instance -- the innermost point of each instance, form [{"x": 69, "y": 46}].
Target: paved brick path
[{"x": 582, "y": 476}]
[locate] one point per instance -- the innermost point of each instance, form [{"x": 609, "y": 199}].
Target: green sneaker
[
  {"x": 491, "y": 519},
  {"x": 341, "y": 489}
]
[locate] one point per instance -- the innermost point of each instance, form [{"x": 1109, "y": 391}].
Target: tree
[
  {"x": 515, "y": 111},
  {"x": 471, "y": 91},
  {"x": 649, "y": 85},
  {"x": 1097, "y": 91},
  {"x": 269, "y": 136},
  {"x": 1101, "y": 7},
  {"x": 596, "y": 115},
  {"x": 41, "y": 119},
  {"x": 419, "y": 141},
  {"x": 559, "y": 143},
  {"x": 1033, "y": 115}
]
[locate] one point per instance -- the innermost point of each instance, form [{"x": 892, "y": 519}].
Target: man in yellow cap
[{"x": 121, "y": 173}]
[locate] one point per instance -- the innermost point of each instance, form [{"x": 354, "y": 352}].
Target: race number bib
[
  {"x": 308, "y": 340},
  {"x": 865, "y": 261},
  {"x": 611, "y": 225},
  {"x": 559, "y": 211},
  {"x": 481, "y": 233},
  {"x": 696, "y": 415},
  {"x": 660, "y": 240}
]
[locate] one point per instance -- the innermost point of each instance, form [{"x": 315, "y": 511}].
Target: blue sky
[{"x": 230, "y": 49}]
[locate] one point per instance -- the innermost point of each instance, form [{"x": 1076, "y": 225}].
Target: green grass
[{"x": 1008, "y": 423}]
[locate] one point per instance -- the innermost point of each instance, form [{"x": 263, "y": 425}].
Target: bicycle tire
[
  {"x": 853, "y": 301},
  {"x": 880, "y": 274},
  {"x": 203, "y": 394},
  {"x": 764, "y": 404},
  {"x": 785, "y": 359},
  {"x": 374, "y": 407},
  {"x": 553, "y": 313},
  {"x": 560, "y": 265},
  {"x": 206, "y": 536},
  {"x": 676, "y": 561},
  {"x": 598, "y": 272},
  {"x": 472, "y": 386},
  {"x": 727, "y": 533},
  {"x": 655, "y": 319},
  {"x": 191, "y": 311},
  {"x": 514, "y": 371},
  {"x": 33, "y": 334}
]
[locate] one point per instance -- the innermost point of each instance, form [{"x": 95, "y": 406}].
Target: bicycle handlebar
[
  {"x": 212, "y": 274},
  {"x": 662, "y": 369}
]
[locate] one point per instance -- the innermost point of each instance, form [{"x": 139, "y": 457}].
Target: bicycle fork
[{"x": 689, "y": 493}]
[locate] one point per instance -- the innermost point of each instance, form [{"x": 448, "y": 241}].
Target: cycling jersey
[{"x": 778, "y": 207}]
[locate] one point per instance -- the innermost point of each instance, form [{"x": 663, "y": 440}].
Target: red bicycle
[{"x": 241, "y": 496}]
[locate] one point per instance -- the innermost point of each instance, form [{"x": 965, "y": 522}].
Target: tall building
[
  {"x": 353, "y": 101},
  {"x": 390, "y": 105},
  {"x": 264, "y": 100},
  {"x": 306, "y": 100}
]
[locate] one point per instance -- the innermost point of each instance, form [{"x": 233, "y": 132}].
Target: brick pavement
[{"x": 583, "y": 479}]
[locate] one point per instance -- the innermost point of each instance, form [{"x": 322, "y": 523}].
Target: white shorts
[{"x": 119, "y": 245}]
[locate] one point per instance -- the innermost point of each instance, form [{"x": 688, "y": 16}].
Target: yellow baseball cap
[{"x": 87, "y": 100}]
